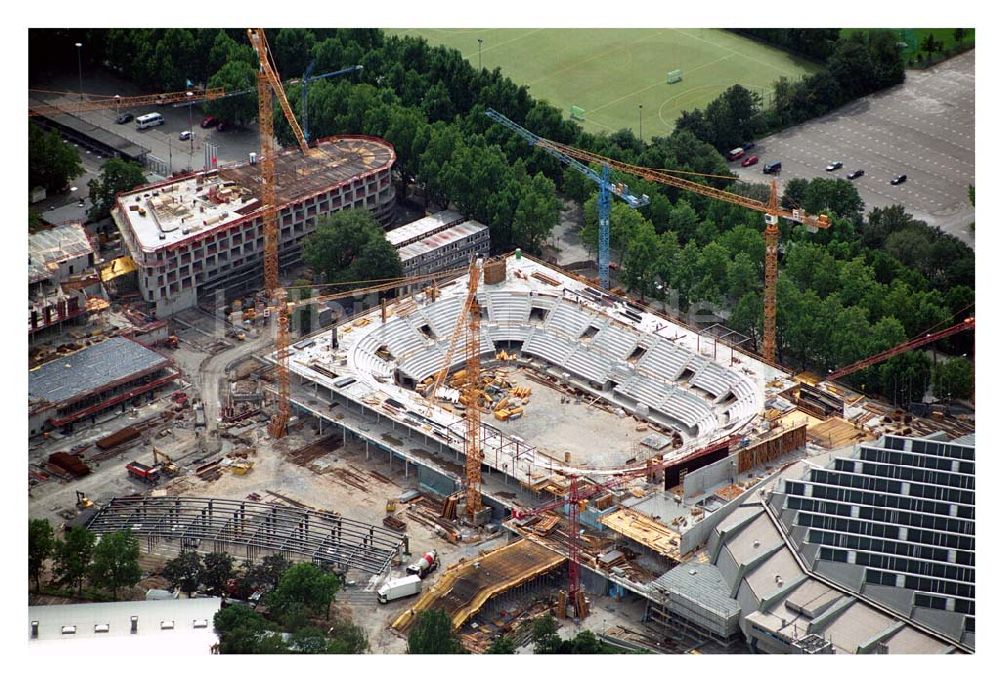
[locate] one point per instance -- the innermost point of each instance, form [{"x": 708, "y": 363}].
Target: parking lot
[
  {"x": 163, "y": 141},
  {"x": 924, "y": 128}
]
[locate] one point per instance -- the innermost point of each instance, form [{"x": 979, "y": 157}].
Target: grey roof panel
[{"x": 71, "y": 376}]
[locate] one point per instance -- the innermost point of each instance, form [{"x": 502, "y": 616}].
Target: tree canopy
[
  {"x": 432, "y": 634},
  {"x": 350, "y": 246},
  {"x": 185, "y": 571},
  {"x": 52, "y": 164},
  {"x": 41, "y": 545},
  {"x": 116, "y": 562},
  {"x": 73, "y": 555},
  {"x": 116, "y": 176}
]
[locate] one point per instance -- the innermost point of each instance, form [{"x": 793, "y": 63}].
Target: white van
[{"x": 149, "y": 120}]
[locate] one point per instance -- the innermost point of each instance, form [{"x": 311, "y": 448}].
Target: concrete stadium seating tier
[{"x": 681, "y": 388}]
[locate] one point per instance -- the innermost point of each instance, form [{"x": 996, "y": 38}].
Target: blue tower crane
[
  {"x": 603, "y": 180},
  {"x": 308, "y": 77}
]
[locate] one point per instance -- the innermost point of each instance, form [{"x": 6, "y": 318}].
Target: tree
[
  {"x": 641, "y": 257},
  {"x": 116, "y": 562},
  {"x": 51, "y": 163},
  {"x": 960, "y": 34},
  {"x": 185, "y": 571},
  {"x": 243, "y": 631},
  {"x": 116, "y": 176},
  {"x": 292, "y": 50},
  {"x": 432, "y": 634},
  {"x": 502, "y": 645},
  {"x": 41, "y": 545},
  {"x": 930, "y": 45},
  {"x": 73, "y": 555},
  {"x": 235, "y": 76},
  {"x": 537, "y": 213},
  {"x": 545, "y": 635},
  {"x": 743, "y": 276},
  {"x": 304, "y": 586},
  {"x": 218, "y": 569},
  {"x": 347, "y": 638},
  {"x": 905, "y": 377},
  {"x": 953, "y": 379},
  {"x": 350, "y": 246}
]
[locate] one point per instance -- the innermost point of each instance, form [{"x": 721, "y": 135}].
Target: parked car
[
  {"x": 734, "y": 154},
  {"x": 749, "y": 145},
  {"x": 209, "y": 121},
  {"x": 898, "y": 180},
  {"x": 750, "y": 160},
  {"x": 185, "y": 135},
  {"x": 856, "y": 174},
  {"x": 124, "y": 118},
  {"x": 223, "y": 126},
  {"x": 772, "y": 167},
  {"x": 835, "y": 165}
]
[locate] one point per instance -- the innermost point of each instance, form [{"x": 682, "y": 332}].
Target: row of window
[
  {"x": 916, "y": 460},
  {"x": 893, "y": 547},
  {"x": 874, "y": 523},
  {"x": 923, "y": 584},
  {"x": 932, "y": 448},
  {"x": 883, "y": 485},
  {"x": 874, "y": 499},
  {"x": 911, "y": 474}
]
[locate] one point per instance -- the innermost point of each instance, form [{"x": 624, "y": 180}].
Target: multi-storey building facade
[{"x": 193, "y": 236}]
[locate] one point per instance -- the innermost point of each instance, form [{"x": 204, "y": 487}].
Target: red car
[
  {"x": 209, "y": 122},
  {"x": 751, "y": 160}
]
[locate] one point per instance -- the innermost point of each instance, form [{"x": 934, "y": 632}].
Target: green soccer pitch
[{"x": 610, "y": 72}]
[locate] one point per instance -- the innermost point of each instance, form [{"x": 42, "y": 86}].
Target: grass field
[{"x": 610, "y": 72}]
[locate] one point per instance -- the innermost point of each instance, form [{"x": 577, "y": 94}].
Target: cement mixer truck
[{"x": 423, "y": 565}]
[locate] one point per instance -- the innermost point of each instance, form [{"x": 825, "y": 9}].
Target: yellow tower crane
[{"x": 269, "y": 82}]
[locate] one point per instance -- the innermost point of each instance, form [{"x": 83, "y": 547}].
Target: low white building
[{"x": 167, "y": 628}]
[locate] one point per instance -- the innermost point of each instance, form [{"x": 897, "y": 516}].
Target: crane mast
[
  {"x": 771, "y": 209},
  {"x": 603, "y": 180},
  {"x": 268, "y": 82}
]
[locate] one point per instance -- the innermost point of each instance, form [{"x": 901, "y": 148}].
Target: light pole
[
  {"x": 190, "y": 123},
  {"x": 480, "y": 53},
  {"x": 79, "y": 65},
  {"x": 640, "y": 122}
]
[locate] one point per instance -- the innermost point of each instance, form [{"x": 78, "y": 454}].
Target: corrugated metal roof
[
  {"x": 429, "y": 244},
  {"x": 71, "y": 376},
  {"x": 415, "y": 230},
  {"x": 702, "y": 583}
]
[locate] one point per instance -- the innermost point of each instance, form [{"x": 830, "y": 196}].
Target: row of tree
[
  {"x": 429, "y": 103},
  {"x": 112, "y": 564},
  {"x": 297, "y": 618},
  {"x": 432, "y": 633},
  {"x": 855, "y": 66}
]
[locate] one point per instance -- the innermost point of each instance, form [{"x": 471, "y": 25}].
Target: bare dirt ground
[{"x": 594, "y": 437}]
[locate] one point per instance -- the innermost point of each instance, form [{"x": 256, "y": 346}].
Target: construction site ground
[
  {"x": 556, "y": 424},
  {"x": 296, "y": 471}
]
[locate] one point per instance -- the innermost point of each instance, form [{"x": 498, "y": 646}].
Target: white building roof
[
  {"x": 176, "y": 627},
  {"x": 168, "y": 213},
  {"x": 417, "y": 230},
  {"x": 48, "y": 247},
  {"x": 438, "y": 240}
]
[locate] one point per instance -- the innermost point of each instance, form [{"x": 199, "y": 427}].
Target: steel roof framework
[{"x": 322, "y": 536}]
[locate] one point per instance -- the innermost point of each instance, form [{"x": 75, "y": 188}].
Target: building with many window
[
  {"x": 441, "y": 247},
  {"x": 63, "y": 285},
  {"x": 194, "y": 236}
]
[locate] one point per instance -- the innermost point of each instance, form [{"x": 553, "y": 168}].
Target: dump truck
[
  {"x": 399, "y": 588},
  {"x": 424, "y": 564},
  {"x": 148, "y": 474}
]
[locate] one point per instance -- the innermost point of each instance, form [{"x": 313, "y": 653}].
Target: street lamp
[
  {"x": 480, "y": 53},
  {"x": 640, "y": 122},
  {"x": 79, "y": 65},
  {"x": 190, "y": 96}
]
